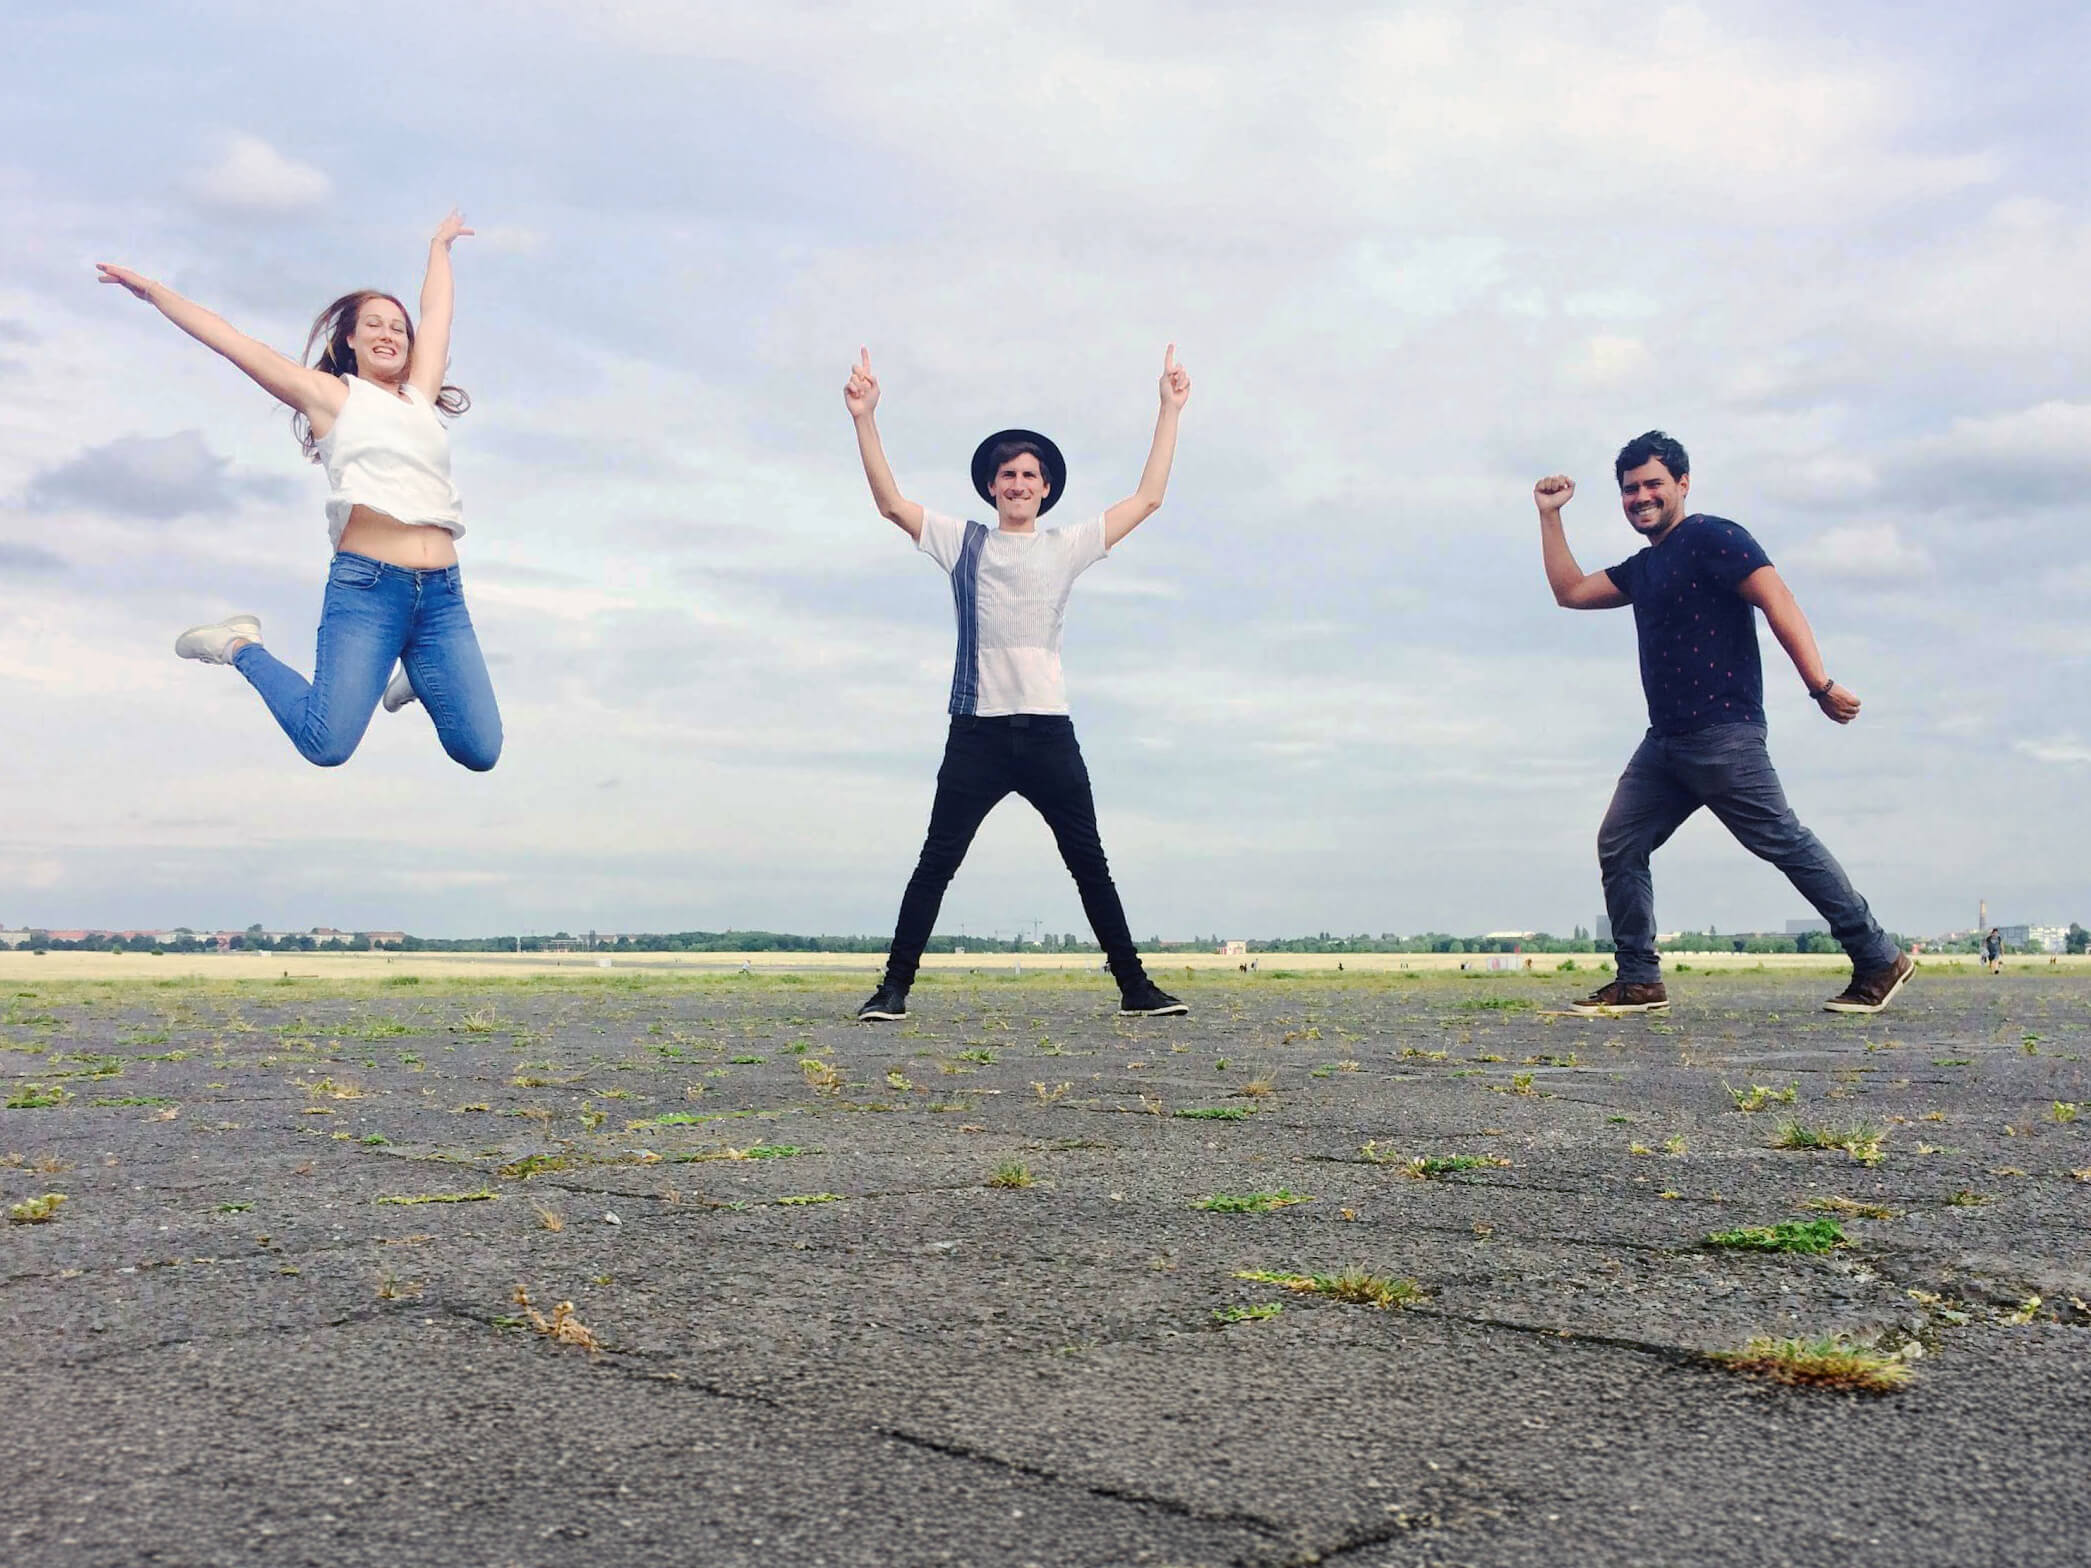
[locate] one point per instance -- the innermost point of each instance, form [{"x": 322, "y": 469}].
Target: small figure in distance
[
  {"x": 1010, "y": 730},
  {"x": 367, "y": 408},
  {"x": 1695, "y": 589},
  {"x": 1993, "y": 951}
]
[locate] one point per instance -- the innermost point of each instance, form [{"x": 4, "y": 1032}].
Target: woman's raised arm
[
  {"x": 432, "y": 342},
  {"x": 311, "y": 392}
]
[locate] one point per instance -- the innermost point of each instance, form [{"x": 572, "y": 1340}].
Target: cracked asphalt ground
[{"x": 277, "y": 1318}]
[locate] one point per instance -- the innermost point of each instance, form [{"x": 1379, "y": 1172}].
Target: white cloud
[
  {"x": 1608, "y": 361},
  {"x": 1865, "y": 552},
  {"x": 2059, "y": 750},
  {"x": 251, "y": 176}
]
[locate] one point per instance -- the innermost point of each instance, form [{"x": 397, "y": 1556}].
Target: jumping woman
[{"x": 367, "y": 409}]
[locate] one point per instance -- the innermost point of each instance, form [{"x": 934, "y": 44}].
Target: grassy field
[{"x": 20, "y": 964}]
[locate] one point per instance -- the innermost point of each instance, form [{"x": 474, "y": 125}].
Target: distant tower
[{"x": 1981, "y": 914}]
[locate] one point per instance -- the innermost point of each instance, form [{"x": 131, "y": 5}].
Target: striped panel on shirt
[{"x": 965, "y": 598}]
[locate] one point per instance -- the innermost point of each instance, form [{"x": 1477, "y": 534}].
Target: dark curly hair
[
  {"x": 1651, "y": 446},
  {"x": 336, "y": 324}
]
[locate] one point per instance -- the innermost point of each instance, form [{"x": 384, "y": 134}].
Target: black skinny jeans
[{"x": 1034, "y": 755}]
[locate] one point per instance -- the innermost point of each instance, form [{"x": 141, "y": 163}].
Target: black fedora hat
[{"x": 1049, "y": 459}]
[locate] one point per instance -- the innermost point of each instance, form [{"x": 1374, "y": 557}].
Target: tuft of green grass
[
  {"x": 1355, "y": 1285},
  {"x": 533, "y": 1164},
  {"x": 977, "y": 1054},
  {"x": 2065, "y": 1111},
  {"x": 1861, "y": 1140},
  {"x": 230, "y": 1208},
  {"x": 1827, "y": 1362},
  {"x": 1215, "y": 1113},
  {"x": 483, "y": 1195},
  {"x": 1755, "y": 1098},
  {"x": 1964, "y": 1199},
  {"x": 1255, "y": 1314},
  {"x": 131, "y": 1099},
  {"x": 1012, "y": 1174},
  {"x": 746, "y": 1061},
  {"x": 35, "y": 1097},
  {"x": 801, "y": 1199},
  {"x": 1425, "y": 1167},
  {"x": 1251, "y": 1202},
  {"x": 1823, "y": 1235},
  {"x": 35, "y": 1211}
]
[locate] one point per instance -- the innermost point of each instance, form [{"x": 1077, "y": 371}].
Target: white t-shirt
[
  {"x": 392, "y": 455},
  {"x": 1010, "y": 591}
]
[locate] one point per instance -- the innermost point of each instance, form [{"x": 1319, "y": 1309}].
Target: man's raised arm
[
  {"x": 1574, "y": 589},
  {"x": 1144, "y": 502},
  {"x": 1766, "y": 589},
  {"x": 860, "y": 397}
]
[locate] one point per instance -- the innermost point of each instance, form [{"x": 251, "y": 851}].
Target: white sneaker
[
  {"x": 212, "y": 644},
  {"x": 399, "y": 691}
]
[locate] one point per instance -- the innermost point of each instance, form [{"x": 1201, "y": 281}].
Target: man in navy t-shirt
[{"x": 1695, "y": 589}]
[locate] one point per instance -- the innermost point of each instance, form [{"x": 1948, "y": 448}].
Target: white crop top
[{"x": 392, "y": 455}]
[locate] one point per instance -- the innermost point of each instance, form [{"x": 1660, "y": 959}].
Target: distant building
[
  {"x": 2049, "y": 939},
  {"x": 2014, "y": 936},
  {"x": 384, "y": 938},
  {"x": 1807, "y": 928},
  {"x": 1233, "y": 949},
  {"x": 1509, "y": 936}
]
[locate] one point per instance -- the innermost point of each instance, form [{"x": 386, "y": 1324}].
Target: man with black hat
[{"x": 1010, "y": 730}]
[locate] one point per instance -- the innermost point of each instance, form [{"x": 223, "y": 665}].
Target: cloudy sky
[{"x": 1415, "y": 256}]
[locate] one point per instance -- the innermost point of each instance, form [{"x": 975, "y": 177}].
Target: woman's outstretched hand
[
  {"x": 1176, "y": 381},
  {"x": 452, "y": 227},
  {"x": 125, "y": 278},
  {"x": 861, "y": 396}
]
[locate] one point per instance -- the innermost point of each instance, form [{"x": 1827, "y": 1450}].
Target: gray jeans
[{"x": 1726, "y": 769}]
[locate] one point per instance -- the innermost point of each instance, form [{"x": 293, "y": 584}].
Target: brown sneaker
[
  {"x": 1622, "y": 997},
  {"x": 1873, "y": 990}
]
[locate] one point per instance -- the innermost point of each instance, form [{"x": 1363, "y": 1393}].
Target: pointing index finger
[{"x": 1169, "y": 359}]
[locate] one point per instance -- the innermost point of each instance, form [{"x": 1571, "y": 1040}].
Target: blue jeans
[
  {"x": 1726, "y": 769},
  {"x": 1034, "y": 755},
  {"x": 377, "y": 614}
]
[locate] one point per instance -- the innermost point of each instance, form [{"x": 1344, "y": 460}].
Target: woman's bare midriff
[{"x": 422, "y": 546}]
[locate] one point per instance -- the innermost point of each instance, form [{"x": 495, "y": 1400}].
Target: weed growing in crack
[
  {"x": 1215, "y": 1113},
  {"x": 1824, "y": 1235},
  {"x": 484, "y": 1195},
  {"x": 1048, "y": 1093},
  {"x": 35, "y": 1097},
  {"x": 803, "y": 1199},
  {"x": 1012, "y": 1174},
  {"x": 1965, "y": 1199},
  {"x": 1425, "y": 1167},
  {"x": 550, "y": 1219},
  {"x": 1260, "y": 1087},
  {"x": 1355, "y": 1285},
  {"x": 1251, "y": 1202},
  {"x": 35, "y": 1211},
  {"x": 1755, "y": 1098},
  {"x": 2065, "y": 1111},
  {"x": 562, "y": 1327},
  {"x": 1255, "y": 1314},
  {"x": 1852, "y": 1207},
  {"x": 1861, "y": 1140},
  {"x": 1828, "y": 1362}
]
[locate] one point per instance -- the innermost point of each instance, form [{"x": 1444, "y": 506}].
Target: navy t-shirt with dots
[{"x": 1699, "y": 664}]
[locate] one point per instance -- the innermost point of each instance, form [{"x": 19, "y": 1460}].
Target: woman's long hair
[{"x": 336, "y": 324}]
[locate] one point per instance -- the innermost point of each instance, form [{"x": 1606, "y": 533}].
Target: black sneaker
[
  {"x": 1873, "y": 990},
  {"x": 888, "y": 1003},
  {"x": 1145, "y": 999}
]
